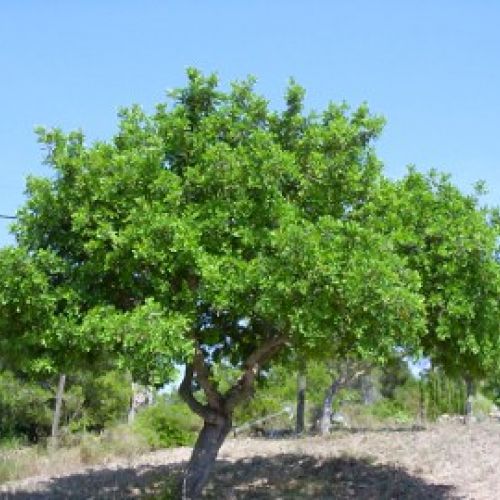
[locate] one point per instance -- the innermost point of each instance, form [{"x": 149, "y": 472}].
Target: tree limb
[
  {"x": 186, "y": 393},
  {"x": 243, "y": 387},
  {"x": 214, "y": 398}
]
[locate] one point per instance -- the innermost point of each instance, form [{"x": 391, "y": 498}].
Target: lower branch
[
  {"x": 243, "y": 388},
  {"x": 186, "y": 393}
]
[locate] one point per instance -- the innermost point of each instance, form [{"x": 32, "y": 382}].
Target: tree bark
[
  {"x": 217, "y": 411},
  {"x": 468, "y": 402},
  {"x": 326, "y": 411},
  {"x": 203, "y": 458},
  {"x": 301, "y": 400},
  {"x": 56, "y": 419},
  {"x": 132, "y": 408},
  {"x": 325, "y": 421},
  {"x": 345, "y": 377}
]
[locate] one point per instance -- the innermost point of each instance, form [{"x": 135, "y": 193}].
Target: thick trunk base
[{"x": 203, "y": 458}]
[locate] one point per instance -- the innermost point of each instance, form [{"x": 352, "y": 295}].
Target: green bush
[
  {"x": 165, "y": 425},
  {"x": 390, "y": 410},
  {"x": 24, "y": 408},
  {"x": 107, "y": 399},
  {"x": 443, "y": 394}
]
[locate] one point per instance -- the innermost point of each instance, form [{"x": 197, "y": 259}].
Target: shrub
[
  {"x": 165, "y": 425},
  {"x": 24, "y": 408},
  {"x": 388, "y": 409},
  {"x": 107, "y": 399}
]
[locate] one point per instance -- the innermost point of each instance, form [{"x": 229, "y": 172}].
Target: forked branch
[
  {"x": 214, "y": 398},
  {"x": 186, "y": 393},
  {"x": 243, "y": 387}
]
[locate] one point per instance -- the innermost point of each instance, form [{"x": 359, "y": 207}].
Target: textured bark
[
  {"x": 301, "y": 400},
  {"x": 56, "y": 419},
  {"x": 468, "y": 403},
  {"x": 132, "y": 408},
  {"x": 217, "y": 412},
  {"x": 203, "y": 458},
  {"x": 346, "y": 377},
  {"x": 325, "y": 421}
]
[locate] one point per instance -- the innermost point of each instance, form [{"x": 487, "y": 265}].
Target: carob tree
[{"x": 217, "y": 233}]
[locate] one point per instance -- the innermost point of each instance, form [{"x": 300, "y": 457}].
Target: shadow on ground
[{"x": 286, "y": 476}]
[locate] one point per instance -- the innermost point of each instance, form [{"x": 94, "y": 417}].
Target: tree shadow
[
  {"x": 298, "y": 476},
  {"x": 285, "y": 476},
  {"x": 144, "y": 481}
]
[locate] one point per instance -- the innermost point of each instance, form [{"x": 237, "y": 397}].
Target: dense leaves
[
  {"x": 218, "y": 232},
  {"x": 236, "y": 221},
  {"x": 452, "y": 243}
]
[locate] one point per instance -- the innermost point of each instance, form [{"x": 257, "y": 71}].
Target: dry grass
[
  {"x": 441, "y": 462},
  {"x": 24, "y": 462}
]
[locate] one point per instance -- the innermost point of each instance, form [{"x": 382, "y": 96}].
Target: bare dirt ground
[{"x": 446, "y": 461}]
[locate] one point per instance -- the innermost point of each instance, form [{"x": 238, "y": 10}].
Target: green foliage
[
  {"x": 408, "y": 396},
  {"x": 165, "y": 425},
  {"x": 276, "y": 389},
  {"x": 219, "y": 224},
  {"x": 390, "y": 410},
  {"x": 90, "y": 402},
  {"x": 27, "y": 308},
  {"x": 24, "y": 408},
  {"x": 393, "y": 374},
  {"x": 219, "y": 220},
  {"x": 492, "y": 388},
  {"x": 443, "y": 394},
  {"x": 106, "y": 399},
  {"x": 481, "y": 406},
  {"x": 453, "y": 245}
]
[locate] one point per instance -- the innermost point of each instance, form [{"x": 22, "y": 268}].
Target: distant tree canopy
[
  {"x": 218, "y": 230},
  {"x": 453, "y": 244}
]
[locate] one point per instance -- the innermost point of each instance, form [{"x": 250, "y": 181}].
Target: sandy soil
[{"x": 446, "y": 461}]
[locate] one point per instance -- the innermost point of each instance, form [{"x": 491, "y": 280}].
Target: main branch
[
  {"x": 243, "y": 387},
  {"x": 214, "y": 398},
  {"x": 186, "y": 393}
]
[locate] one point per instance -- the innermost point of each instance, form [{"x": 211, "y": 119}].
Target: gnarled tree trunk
[
  {"x": 217, "y": 412},
  {"x": 204, "y": 455},
  {"x": 348, "y": 375},
  {"x": 325, "y": 420}
]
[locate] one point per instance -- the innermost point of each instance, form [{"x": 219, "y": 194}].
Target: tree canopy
[
  {"x": 216, "y": 230},
  {"x": 235, "y": 222},
  {"x": 453, "y": 244}
]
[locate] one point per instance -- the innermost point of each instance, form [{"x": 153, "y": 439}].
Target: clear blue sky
[{"x": 431, "y": 67}]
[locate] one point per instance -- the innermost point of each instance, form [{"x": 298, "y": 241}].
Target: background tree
[
  {"x": 452, "y": 243},
  {"x": 38, "y": 335}
]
